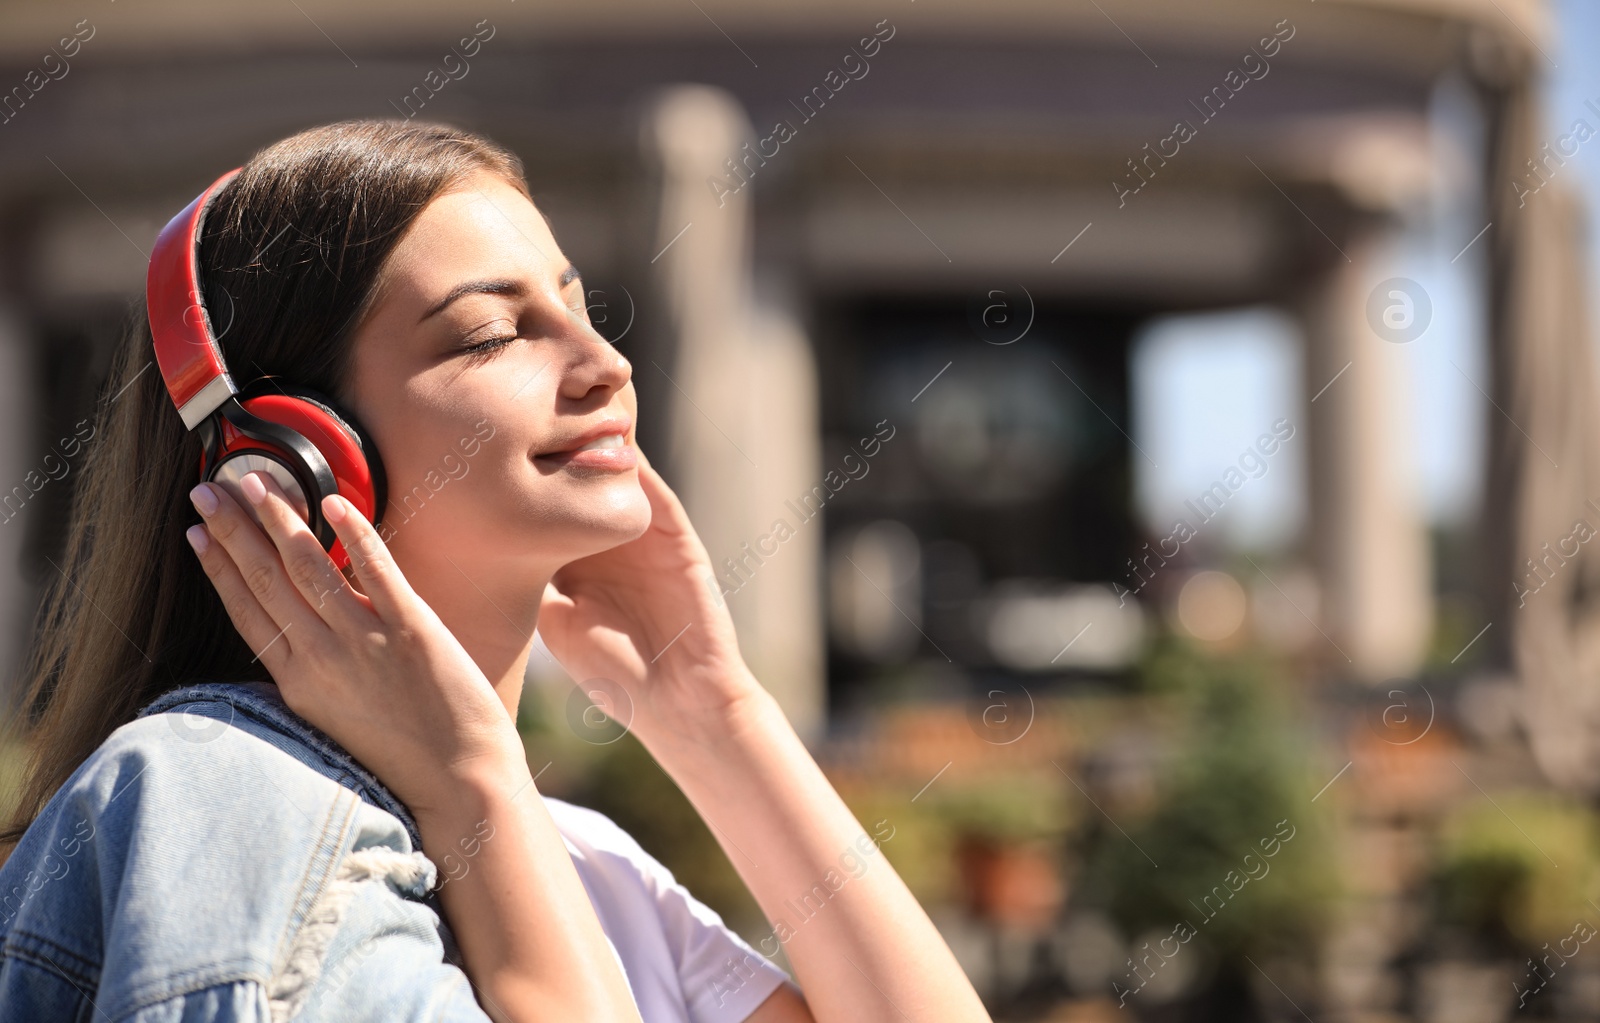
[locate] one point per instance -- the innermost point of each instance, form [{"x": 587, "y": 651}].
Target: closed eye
[
  {"x": 485, "y": 349},
  {"x": 481, "y": 351}
]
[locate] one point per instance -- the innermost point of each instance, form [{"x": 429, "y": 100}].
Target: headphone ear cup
[
  {"x": 377, "y": 484},
  {"x": 349, "y": 450}
]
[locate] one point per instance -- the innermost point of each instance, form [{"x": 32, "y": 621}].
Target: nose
[{"x": 596, "y": 365}]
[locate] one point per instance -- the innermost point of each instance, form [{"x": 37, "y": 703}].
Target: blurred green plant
[
  {"x": 1004, "y": 808},
  {"x": 1234, "y": 787},
  {"x": 1520, "y": 872}
]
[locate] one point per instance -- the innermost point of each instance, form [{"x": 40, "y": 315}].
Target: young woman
[{"x": 197, "y": 842}]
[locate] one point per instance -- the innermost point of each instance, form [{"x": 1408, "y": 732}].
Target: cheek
[
  {"x": 506, "y": 503},
  {"x": 487, "y": 493},
  {"x": 431, "y": 476}
]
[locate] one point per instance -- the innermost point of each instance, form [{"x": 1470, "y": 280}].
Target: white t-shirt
[{"x": 683, "y": 964}]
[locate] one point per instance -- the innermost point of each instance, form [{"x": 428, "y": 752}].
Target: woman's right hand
[
  {"x": 376, "y": 670},
  {"x": 379, "y": 672}
]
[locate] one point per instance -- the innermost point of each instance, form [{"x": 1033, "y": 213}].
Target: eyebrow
[{"x": 494, "y": 286}]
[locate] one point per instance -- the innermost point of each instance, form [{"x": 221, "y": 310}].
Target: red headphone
[{"x": 295, "y": 435}]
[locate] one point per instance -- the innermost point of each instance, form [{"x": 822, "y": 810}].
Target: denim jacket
[{"x": 219, "y": 858}]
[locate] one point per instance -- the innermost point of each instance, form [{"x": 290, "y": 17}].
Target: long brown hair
[{"x": 290, "y": 260}]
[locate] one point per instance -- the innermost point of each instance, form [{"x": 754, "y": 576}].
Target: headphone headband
[
  {"x": 186, "y": 350},
  {"x": 297, "y": 437}
]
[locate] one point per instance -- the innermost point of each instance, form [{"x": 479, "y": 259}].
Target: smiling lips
[{"x": 605, "y": 447}]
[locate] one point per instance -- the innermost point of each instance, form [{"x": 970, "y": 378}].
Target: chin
[
  {"x": 606, "y": 518},
  {"x": 628, "y": 514}
]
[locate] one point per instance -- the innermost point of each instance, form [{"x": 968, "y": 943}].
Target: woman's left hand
[
  {"x": 644, "y": 628},
  {"x": 649, "y": 617}
]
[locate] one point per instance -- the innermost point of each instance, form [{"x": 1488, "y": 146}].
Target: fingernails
[
  {"x": 196, "y": 535},
  {"x": 254, "y": 490},
  {"x": 333, "y": 508},
  {"x": 204, "y": 500}
]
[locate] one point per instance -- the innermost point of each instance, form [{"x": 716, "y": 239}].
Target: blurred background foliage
[
  {"x": 1237, "y": 778},
  {"x": 1518, "y": 871}
]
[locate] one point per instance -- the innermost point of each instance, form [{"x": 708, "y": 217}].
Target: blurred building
[{"x": 877, "y": 271}]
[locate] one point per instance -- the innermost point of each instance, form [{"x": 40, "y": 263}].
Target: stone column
[
  {"x": 1369, "y": 536},
  {"x": 742, "y": 426}
]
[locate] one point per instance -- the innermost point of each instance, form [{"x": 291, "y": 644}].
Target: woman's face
[{"x": 479, "y": 377}]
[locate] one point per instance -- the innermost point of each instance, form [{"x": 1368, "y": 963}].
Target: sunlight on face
[{"x": 478, "y": 374}]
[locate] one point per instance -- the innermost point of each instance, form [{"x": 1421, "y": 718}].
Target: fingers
[
  {"x": 655, "y": 488},
  {"x": 307, "y": 565},
  {"x": 256, "y": 559},
  {"x": 555, "y": 616},
  {"x": 667, "y": 513},
  {"x": 554, "y": 601},
  {"x": 260, "y": 629},
  {"x": 381, "y": 580}
]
